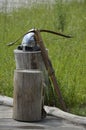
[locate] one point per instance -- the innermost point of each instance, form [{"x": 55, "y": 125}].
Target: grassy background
[{"x": 67, "y": 55}]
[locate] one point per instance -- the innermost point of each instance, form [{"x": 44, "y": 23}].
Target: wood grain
[{"x": 28, "y": 95}]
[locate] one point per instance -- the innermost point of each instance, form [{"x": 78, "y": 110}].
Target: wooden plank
[
  {"x": 5, "y": 112},
  {"x": 54, "y": 112},
  {"x": 49, "y": 123}
]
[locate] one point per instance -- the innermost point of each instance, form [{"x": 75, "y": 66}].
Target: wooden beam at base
[
  {"x": 65, "y": 115},
  {"x": 4, "y": 100}
]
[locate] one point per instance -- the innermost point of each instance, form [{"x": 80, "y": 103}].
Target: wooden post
[
  {"x": 28, "y": 95},
  {"x": 29, "y": 76},
  {"x": 29, "y": 60}
]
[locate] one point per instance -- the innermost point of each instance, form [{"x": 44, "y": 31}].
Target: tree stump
[
  {"x": 29, "y": 60},
  {"x": 28, "y": 86},
  {"x": 28, "y": 95}
]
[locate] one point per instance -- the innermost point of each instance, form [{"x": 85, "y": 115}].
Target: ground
[{"x": 49, "y": 123}]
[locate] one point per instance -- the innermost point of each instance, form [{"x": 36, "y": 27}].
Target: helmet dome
[{"x": 29, "y": 40}]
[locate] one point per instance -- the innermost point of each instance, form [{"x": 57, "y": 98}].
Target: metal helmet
[
  {"x": 29, "y": 40},
  {"x": 29, "y": 43}
]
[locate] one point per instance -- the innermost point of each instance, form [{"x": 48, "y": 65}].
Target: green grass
[{"x": 67, "y": 55}]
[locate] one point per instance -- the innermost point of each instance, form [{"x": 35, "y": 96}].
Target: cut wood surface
[
  {"x": 28, "y": 95},
  {"x": 51, "y": 111}
]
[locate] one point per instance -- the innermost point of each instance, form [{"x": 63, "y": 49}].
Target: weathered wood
[
  {"x": 28, "y": 95},
  {"x": 28, "y": 60},
  {"x": 5, "y": 111},
  {"x": 53, "y": 111},
  {"x": 8, "y": 101},
  {"x": 65, "y": 115},
  {"x": 49, "y": 123},
  {"x": 31, "y": 60}
]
